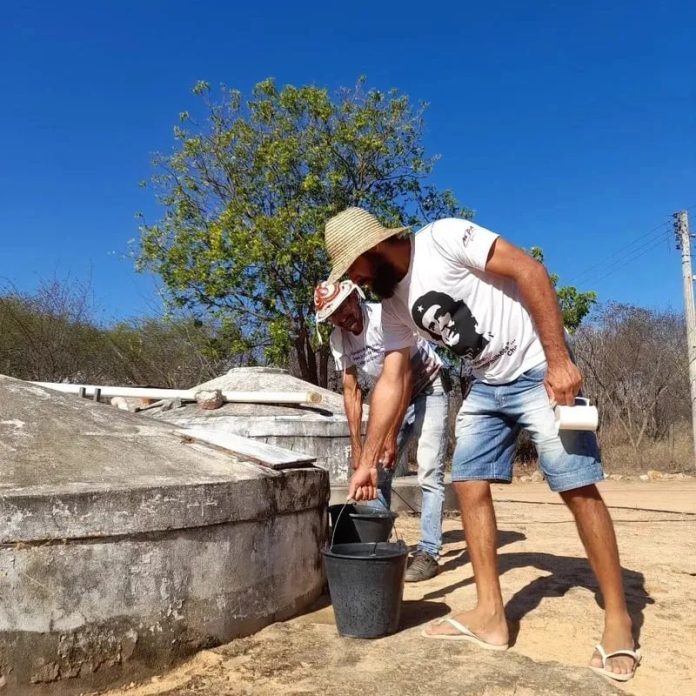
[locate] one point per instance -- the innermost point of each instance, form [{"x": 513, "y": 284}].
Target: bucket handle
[
  {"x": 338, "y": 519},
  {"x": 395, "y": 531}
]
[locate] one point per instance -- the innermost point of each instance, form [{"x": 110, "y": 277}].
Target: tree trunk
[
  {"x": 306, "y": 358},
  {"x": 302, "y": 360},
  {"x": 324, "y": 368},
  {"x": 311, "y": 359}
]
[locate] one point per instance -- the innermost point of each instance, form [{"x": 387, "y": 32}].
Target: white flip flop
[
  {"x": 633, "y": 654},
  {"x": 464, "y": 633}
]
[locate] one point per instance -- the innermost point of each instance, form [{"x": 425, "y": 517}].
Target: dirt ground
[{"x": 552, "y": 608}]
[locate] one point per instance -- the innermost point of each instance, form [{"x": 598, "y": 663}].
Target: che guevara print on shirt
[{"x": 449, "y": 321}]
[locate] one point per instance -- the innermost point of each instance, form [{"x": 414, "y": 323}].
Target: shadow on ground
[
  {"x": 420, "y": 612},
  {"x": 563, "y": 574}
]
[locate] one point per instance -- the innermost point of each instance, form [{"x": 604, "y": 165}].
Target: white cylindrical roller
[
  {"x": 582, "y": 416},
  {"x": 251, "y": 397}
]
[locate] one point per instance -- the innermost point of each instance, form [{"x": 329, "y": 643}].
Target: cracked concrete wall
[
  {"x": 105, "y": 610},
  {"x": 124, "y": 547}
]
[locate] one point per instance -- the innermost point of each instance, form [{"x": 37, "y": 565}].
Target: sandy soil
[{"x": 552, "y": 607}]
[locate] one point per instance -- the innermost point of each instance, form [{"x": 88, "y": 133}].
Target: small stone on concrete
[{"x": 209, "y": 399}]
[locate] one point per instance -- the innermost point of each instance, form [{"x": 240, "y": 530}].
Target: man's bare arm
[
  {"x": 389, "y": 453},
  {"x": 352, "y": 402},
  {"x": 384, "y": 409},
  {"x": 563, "y": 378}
]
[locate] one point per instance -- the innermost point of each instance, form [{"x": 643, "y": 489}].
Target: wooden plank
[{"x": 270, "y": 456}]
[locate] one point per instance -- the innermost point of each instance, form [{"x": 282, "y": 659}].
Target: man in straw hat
[
  {"x": 357, "y": 345},
  {"x": 465, "y": 287}
]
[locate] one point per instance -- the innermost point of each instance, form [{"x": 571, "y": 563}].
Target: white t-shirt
[
  {"x": 447, "y": 297},
  {"x": 366, "y": 350}
]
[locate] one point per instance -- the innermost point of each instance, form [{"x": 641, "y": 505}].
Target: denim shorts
[{"x": 490, "y": 420}]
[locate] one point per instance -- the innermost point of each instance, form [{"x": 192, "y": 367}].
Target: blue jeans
[
  {"x": 490, "y": 421},
  {"x": 425, "y": 420}
]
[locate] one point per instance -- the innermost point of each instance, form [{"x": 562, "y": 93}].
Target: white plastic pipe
[{"x": 241, "y": 397}]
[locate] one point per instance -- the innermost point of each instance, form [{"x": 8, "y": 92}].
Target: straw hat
[{"x": 350, "y": 234}]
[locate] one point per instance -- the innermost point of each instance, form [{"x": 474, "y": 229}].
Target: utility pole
[{"x": 681, "y": 230}]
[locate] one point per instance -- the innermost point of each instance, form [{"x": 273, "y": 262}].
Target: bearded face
[{"x": 375, "y": 271}]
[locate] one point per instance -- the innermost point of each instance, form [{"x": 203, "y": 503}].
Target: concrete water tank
[
  {"x": 124, "y": 546},
  {"x": 320, "y": 431}
]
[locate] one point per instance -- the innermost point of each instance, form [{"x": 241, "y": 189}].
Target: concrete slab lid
[
  {"x": 276, "y": 458},
  {"x": 70, "y": 468}
]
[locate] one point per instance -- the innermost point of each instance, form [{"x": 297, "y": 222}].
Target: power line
[
  {"x": 626, "y": 253},
  {"x": 617, "y": 262},
  {"x": 638, "y": 253},
  {"x": 618, "y": 254}
]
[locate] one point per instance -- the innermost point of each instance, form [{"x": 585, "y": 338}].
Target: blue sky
[{"x": 567, "y": 125}]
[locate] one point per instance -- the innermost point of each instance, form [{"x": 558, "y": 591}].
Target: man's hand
[
  {"x": 363, "y": 484},
  {"x": 563, "y": 382},
  {"x": 387, "y": 459}
]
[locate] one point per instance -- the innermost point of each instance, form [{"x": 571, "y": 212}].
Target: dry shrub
[{"x": 674, "y": 453}]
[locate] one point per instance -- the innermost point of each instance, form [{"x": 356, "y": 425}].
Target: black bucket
[
  {"x": 366, "y": 583},
  {"x": 371, "y": 524},
  {"x": 343, "y": 529}
]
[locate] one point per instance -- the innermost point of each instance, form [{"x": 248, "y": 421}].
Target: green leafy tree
[
  {"x": 247, "y": 192},
  {"x": 575, "y": 305}
]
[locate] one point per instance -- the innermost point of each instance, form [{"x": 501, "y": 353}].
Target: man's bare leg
[
  {"x": 597, "y": 534},
  {"x": 487, "y": 620}
]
